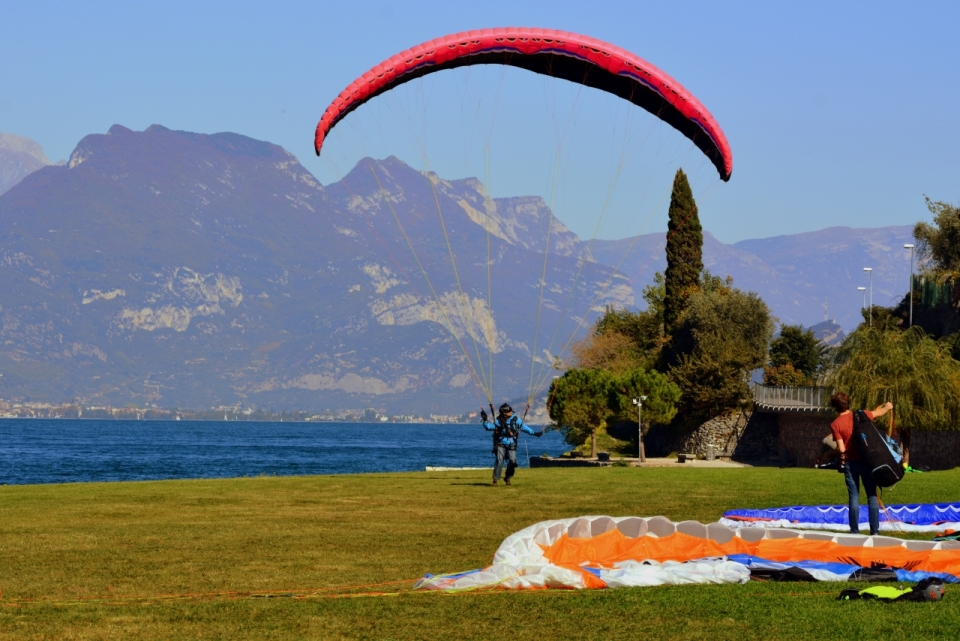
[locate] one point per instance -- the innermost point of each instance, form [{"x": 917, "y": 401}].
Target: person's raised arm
[
  {"x": 881, "y": 410},
  {"x": 486, "y": 424}
]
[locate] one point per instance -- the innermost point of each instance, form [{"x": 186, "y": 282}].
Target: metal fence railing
[
  {"x": 934, "y": 294},
  {"x": 791, "y": 399}
]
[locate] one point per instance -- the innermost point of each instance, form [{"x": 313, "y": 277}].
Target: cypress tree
[{"x": 684, "y": 251}]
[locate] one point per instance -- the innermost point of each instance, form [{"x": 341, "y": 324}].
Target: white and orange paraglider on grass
[{"x": 608, "y": 552}]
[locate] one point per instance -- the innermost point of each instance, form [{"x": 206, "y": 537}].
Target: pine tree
[
  {"x": 581, "y": 404},
  {"x": 684, "y": 251}
]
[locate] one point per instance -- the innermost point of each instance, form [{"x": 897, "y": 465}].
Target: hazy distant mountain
[
  {"x": 829, "y": 332},
  {"x": 200, "y": 270},
  {"x": 18, "y": 157},
  {"x": 804, "y": 278}
]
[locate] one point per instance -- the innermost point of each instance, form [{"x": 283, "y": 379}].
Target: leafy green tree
[
  {"x": 624, "y": 340},
  {"x": 616, "y": 343},
  {"x": 621, "y": 321},
  {"x": 684, "y": 251},
  {"x": 710, "y": 283},
  {"x": 678, "y": 343},
  {"x": 712, "y": 381},
  {"x": 800, "y": 349},
  {"x": 653, "y": 334},
  {"x": 940, "y": 242},
  {"x": 607, "y": 350},
  {"x": 884, "y": 318},
  {"x": 784, "y": 376},
  {"x": 722, "y": 338},
  {"x": 644, "y": 328},
  {"x": 662, "y": 395},
  {"x": 910, "y": 369},
  {"x": 580, "y": 404}
]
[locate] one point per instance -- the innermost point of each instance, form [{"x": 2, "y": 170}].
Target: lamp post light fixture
[
  {"x": 639, "y": 403},
  {"x": 864, "y": 290},
  {"x": 910, "y": 247},
  {"x": 870, "y": 271}
]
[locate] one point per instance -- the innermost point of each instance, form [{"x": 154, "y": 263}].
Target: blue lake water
[{"x": 66, "y": 451}]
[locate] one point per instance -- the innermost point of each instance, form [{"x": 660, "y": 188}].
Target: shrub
[{"x": 784, "y": 376}]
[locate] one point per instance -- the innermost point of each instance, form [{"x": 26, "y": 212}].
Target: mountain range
[
  {"x": 804, "y": 278},
  {"x": 203, "y": 270},
  {"x": 182, "y": 269},
  {"x": 19, "y": 157}
]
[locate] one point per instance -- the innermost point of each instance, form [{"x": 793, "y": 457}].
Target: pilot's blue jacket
[{"x": 515, "y": 424}]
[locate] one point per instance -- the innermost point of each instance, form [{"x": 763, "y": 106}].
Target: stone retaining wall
[
  {"x": 722, "y": 432},
  {"x": 741, "y": 436},
  {"x": 788, "y": 439}
]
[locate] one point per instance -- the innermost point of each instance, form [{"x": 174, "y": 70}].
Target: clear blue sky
[{"x": 837, "y": 113}]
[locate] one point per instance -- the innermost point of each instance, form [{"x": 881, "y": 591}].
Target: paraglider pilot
[{"x": 506, "y": 433}]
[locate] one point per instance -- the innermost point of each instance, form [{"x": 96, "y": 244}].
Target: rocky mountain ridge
[
  {"x": 196, "y": 270},
  {"x": 200, "y": 270}
]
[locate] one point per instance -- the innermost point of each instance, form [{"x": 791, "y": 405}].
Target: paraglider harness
[{"x": 506, "y": 428}]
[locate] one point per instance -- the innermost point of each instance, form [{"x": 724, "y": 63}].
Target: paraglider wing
[
  {"x": 622, "y": 551},
  {"x": 560, "y": 54},
  {"x": 913, "y": 517}
]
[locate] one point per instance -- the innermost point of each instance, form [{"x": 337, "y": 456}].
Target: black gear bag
[{"x": 879, "y": 452}]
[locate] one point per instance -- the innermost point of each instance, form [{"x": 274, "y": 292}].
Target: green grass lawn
[{"x": 195, "y": 559}]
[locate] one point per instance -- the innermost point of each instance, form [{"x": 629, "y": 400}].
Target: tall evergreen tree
[{"x": 684, "y": 251}]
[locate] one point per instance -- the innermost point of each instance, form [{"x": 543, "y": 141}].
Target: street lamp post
[
  {"x": 864, "y": 290},
  {"x": 910, "y": 247},
  {"x": 870, "y": 271},
  {"x": 639, "y": 403}
]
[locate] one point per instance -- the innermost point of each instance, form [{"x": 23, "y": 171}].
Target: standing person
[
  {"x": 506, "y": 434},
  {"x": 854, "y": 470}
]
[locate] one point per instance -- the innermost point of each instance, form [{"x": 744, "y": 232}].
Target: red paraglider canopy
[{"x": 560, "y": 54}]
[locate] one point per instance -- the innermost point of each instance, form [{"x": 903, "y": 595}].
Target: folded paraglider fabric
[
  {"x": 603, "y": 551},
  {"x": 912, "y": 517}
]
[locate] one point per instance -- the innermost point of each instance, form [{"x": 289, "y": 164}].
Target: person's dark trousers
[
  {"x": 857, "y": 471},
  {"x": 509, "y": 455}
]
